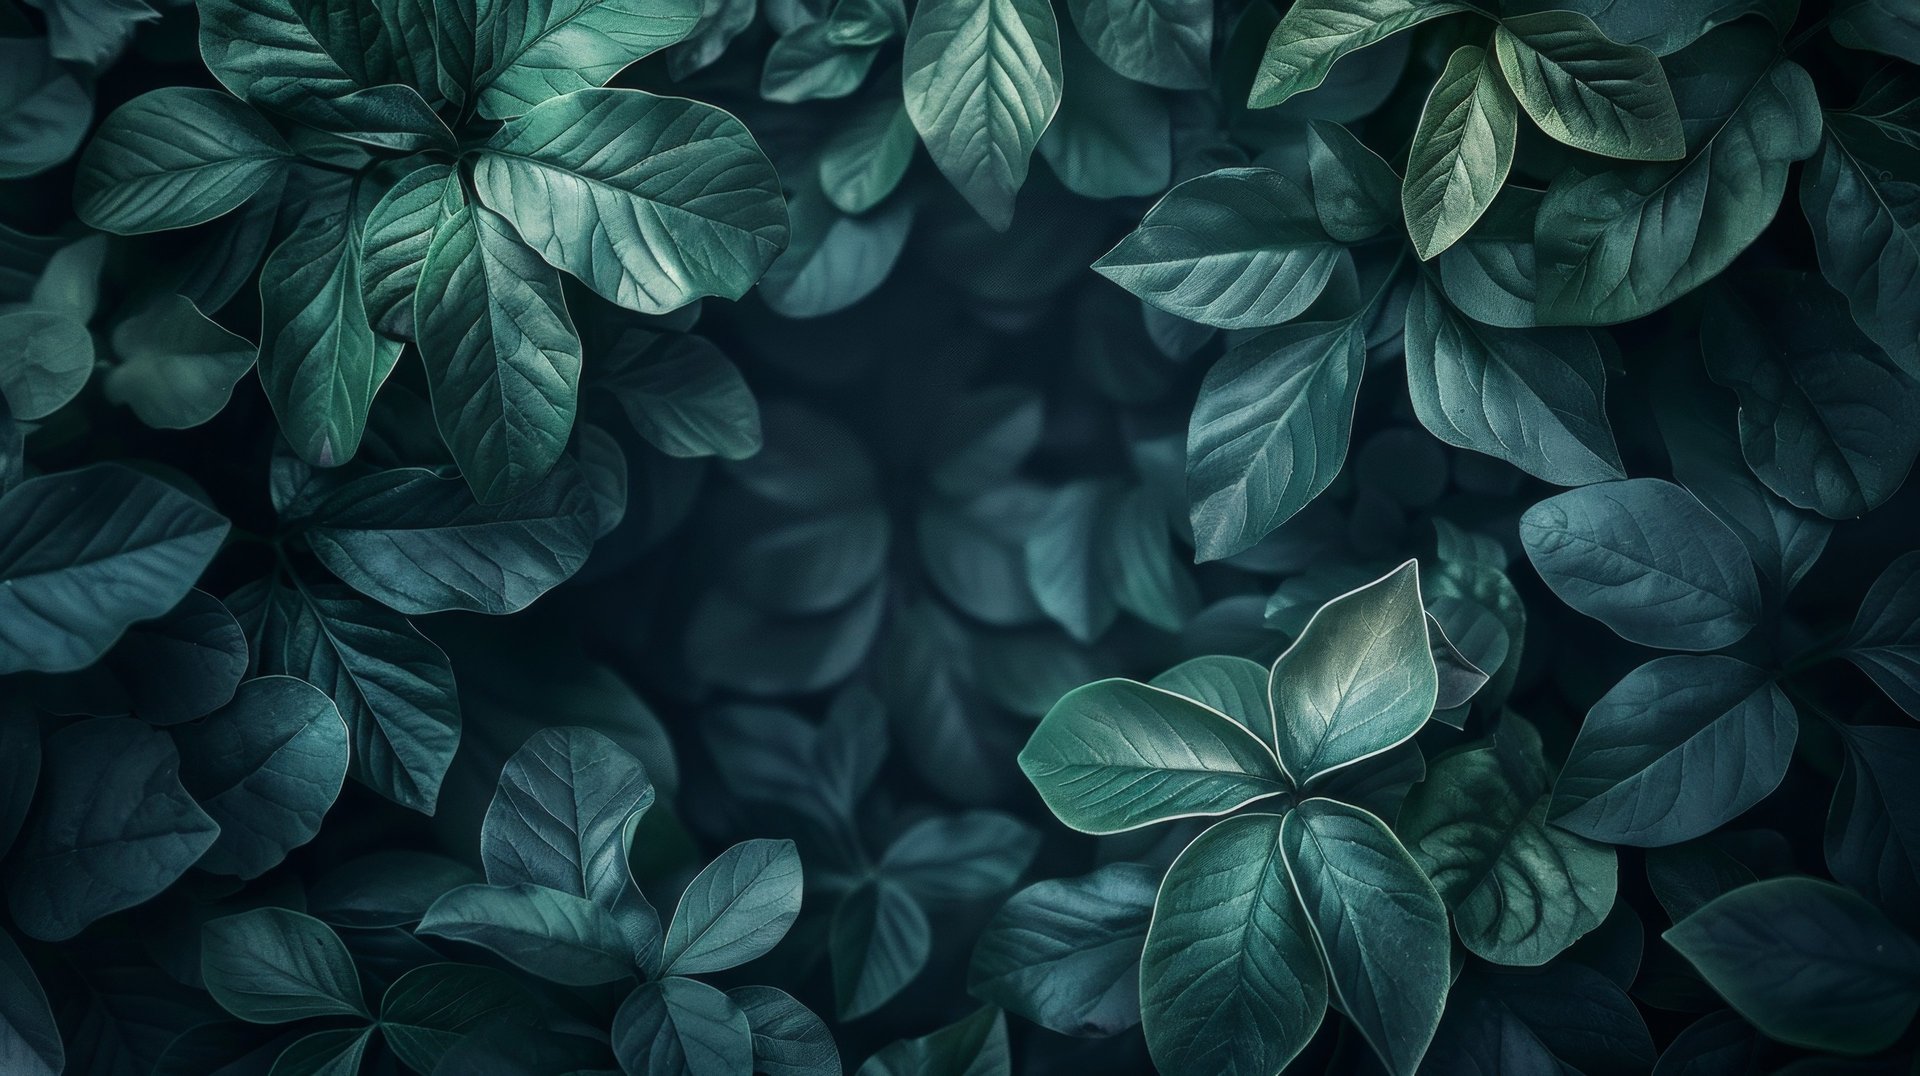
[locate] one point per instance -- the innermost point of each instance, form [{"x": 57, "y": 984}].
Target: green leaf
[
  {"x": 393, "y": 686},
  {"x": 320, "y": 361},
  {"x": 267, "y": 767},
  {"x": 1065, "y": 954},
  {"x": 385, "y": 888},
  {"x": 1116, "y": 755},
  {"x": 1358, "y": 681},
  {"x": 682, "y": 394},
  {"x": 555, "y": 47},
  {"x": 1606, "y": 250},
  {"x": 1535, "y": 398},
  {"x": 1866, "y": 228},
  {"x": 1588, "y": 91},
  {"x": 879, "y": 940},
  {"x": 1669, "y": 27},
  {"x": 1233, "y": 686},
  {"x": 1885, "y": 639},
  {"x": 974, "y": 1046},
  {"x": 736, "y": 909},
  {"x": 1675, "y": 750},
  {"x": 1884, "y": 26},
  {"x": 1239, "y": 248},
  {"x": 418, "y": 543},
  {"x": 1112, "y": 137},
  {"x": 866, "y": 157},
  {"x": 86, "y": 553},
  {"x": 1378, "y": 920},
  {"x": 29, "y": 1039},
  {"x": 1269, "y": 431},
  {"x": 558, "y": 817},
  {"x": 1315, "y": 34},
  {"x": 324, "y": 1053},
  {"x": 399, "y": 230},
  {"x": 652, "y": 202},
  {"x": 1646, "y": 559},
  {"x": 982, "y": 81},
  {"x": 556, "y": 936},
  {"x": 1873, "y": 830},
  {"x": 806, "y": 64},
  {"x": 111, "y": 828},
  {"x": 865, "y": 22},
  {"x": 44, "y": 109},
  {"x": 1142, "y": 569},
  {"x": 46, "y": 357},
  {"x": 788, "y": 1039},
  {"x": 173, "y": 158},
  {"x": 679, "y": 1027},
  {"x": 1809, "y": 963},
  {"x": 833, "y": 261},
  {"x": 273, "y": 965},
  {"x": 176, "y": 368},
  {"x": 431, "y": 1008},
  {"x": 1462, "y": 151},
  {"x": 1489, "y": 273},
  {"x": 1230, "y": 980},
  {"x": 1521, "y": 891},
  {"x": 1165, "y": 43},
  {"x": 1062, "y": 559},
  {"x": 1355, "y": 193},
  {"x": 1827, "y": 420},
  {"x": 970, "y": 856},
  {"x": 502, "y": 357}
]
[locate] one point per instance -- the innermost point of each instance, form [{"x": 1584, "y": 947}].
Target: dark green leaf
[
  {"x": 1461, "y": 151},
  {"x": 554, "y": 935},
  {"x": 879, "y": 942},
  {"x": 735, "y": 909},
  {"x": 1588, "y": 91},
  {"x": 174, "y": 158},
  {"x": 1317, "y": 33},
  {"x": 1885, "y": 640},
  {"x": 272, "y": 965},
  {"x": 788, "y": 1039},
  {"x": 1066, "y": 953},
  {"x": 557, "y": 819},
  {"x": 974, "y": 1046}
]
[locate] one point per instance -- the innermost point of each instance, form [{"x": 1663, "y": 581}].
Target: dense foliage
[{"x": 810, "y": 536}]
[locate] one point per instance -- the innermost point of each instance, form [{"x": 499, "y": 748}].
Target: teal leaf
[
  {"x": 1230, "y": 979},
  {"x": 173, "y": 158},
  {"x": 267, "y": 767},
  {"x": 112, "y": 828},
  {"x": 1675, "y": 750},
  {"x": 982, "y": 81},
  {"x": 879, "y": 940},
  {"x": 502, "y": 357},
  {"x": 1269, "y": 431},
  {"x": 29, "y": 1039},
  {"x": 833, "y": 261},
  {"x": 970, "y": 856},
  {"x": 1378, "y": 920},
  {"x": 556, "y": 936},
  {"x": 1873, "y": 829},
  {"x": 1116, "y": 755},
  {"x": 678, "y": 1026},
  {"x": 86, "y": 553},
  {"x": 1239, "y": 248},
  {"x": 1065, "y": 954},
  {"x": 1355, "y": 193},
  {"x": 652, "y": 202},
  {"x": 864, "y": 159},
  {"x": 1165, "y": 43},
  {"x": 1062, "y": 559},
  {"x": 418, "y": 543},
  {"x": 320, "y": 360},
  {"x": 973, "y": 1046},
  {"x": 273, "y": 966},
  {"x": 174, "y": 366},
  {"x": 1647, "y": 560},
  {"x": 1827, "y": 420},
  {"x": 1358, "y": 681},
  {"x": 682, "y": 394},
  {"x": 1315, "y": 34},
  {"x": 432, "y": 1007},
  {"x": 1521, "y": 891},
  {"x": 1885, "y": 639},
  {"x": 736, "y": 909},
  {"x": 1808, "y": 962},
  {"x": 1606, "y": 253},
  {"x": 788, "y": 1039},
  {"x": 1587, "y": 90},
  {"x": 400, "y": 228},
  {"x": 554, "y": 47},
  {"x": 557, "y": 819},
  {"x": 1232, "y": 686},
  {"x": 337, "y": 1052},
  {"x": 393, "y": 686},
  {"x": 46, "y": 357},
  {"x": 1535, "y": 398},
  {"x": 1856, "y": 193},
  {"x": 44, "y": 109},
  {"x": 1462, "y": 151}
]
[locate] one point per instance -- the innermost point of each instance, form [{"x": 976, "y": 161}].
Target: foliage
[{"x": 923, "y": 566}]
